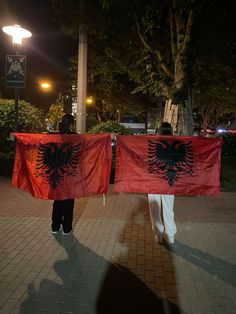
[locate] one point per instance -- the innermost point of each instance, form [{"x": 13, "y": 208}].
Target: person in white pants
[{"x": 161, "y": 206}]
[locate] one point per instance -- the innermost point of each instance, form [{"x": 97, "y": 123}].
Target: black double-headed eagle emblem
[
  {"x": 171, "y": 159},
  {"x": 54, "y": 161}
]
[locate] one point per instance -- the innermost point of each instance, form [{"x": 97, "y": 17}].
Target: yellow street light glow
[
  {"x": 17, "y": 33},
  {"x": 45, "y": 85},
  {"x": 89, "y": 100}
]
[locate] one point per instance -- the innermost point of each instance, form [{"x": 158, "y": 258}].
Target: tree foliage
[
  {"x": 30, "y": 117},
  {"x": 155, "y": 44},
  {"x": 156, "y": 35},
  {"x": 55, "y": 113},
  {"x": 30, "y": 120},
  {"x": 215, "y": 91}
]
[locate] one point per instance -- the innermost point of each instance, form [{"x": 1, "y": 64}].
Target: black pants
[{"x": 62, "y": 214}]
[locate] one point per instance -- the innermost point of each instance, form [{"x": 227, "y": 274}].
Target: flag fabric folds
[
  {"x": 179, "y": 165},
  {"x": 62, "y": 166}
]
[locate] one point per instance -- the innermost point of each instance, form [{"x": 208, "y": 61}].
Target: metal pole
[
  {"x": 16, "y": 96},
  {"x": 82, "y": 73}
]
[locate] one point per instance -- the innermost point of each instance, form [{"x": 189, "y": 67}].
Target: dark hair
[
  {"x": 66, "y": 122},
  {"x": 165, "y": 129}
]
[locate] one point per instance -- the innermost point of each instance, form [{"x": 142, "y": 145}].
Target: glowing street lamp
[
  {"x": 46, "y": 86},
  {"x": 89, "y": 100},
  {"x": 17, "y": 33}
]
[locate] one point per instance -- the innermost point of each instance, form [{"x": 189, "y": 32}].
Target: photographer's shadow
[{"x": 91, "y": 284}]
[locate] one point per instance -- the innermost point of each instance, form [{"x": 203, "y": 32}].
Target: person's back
[
  {"x": 165, "y": 129},
  {"x": 161, "y": 206},
  {"x": 62, "y": 213},
  {"x": 66, "y": 124}
]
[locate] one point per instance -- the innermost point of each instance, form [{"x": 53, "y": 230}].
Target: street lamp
[
  {"x": 89, "y": 100},
  {"x": 46, "y": 86},
  {"x": 82, "y": 70},
  {"x": 17, "y": 33}
]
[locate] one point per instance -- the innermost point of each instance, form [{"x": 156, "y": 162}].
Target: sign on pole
[{"x": 15, "y": 71}]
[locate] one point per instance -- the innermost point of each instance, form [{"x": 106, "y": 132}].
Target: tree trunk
[
  {"x": 185, "y": 118},
  {"x": 171, "y": 114},
  {"x": 179, "y": 116}
]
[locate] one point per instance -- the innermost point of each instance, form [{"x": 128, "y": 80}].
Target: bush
[
  {"x": 111, "y": 127},
  {"x": 30, "y": 120}
]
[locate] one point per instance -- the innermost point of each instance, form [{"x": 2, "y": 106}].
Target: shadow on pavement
[
  {"x": 91, "y": 284},
  {"x": 211, "y": 264},
  {"x": 122, "y": 292}
]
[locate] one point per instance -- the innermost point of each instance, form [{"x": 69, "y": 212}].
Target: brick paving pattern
[{"x": 112, "y": 264}]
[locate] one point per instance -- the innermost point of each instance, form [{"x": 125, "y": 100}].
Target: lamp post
[
  {"x": 82, "y": 71},
  {"x": 17, "y": 33}
]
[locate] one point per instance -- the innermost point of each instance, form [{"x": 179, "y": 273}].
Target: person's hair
[
  {"x": 165, "y": 129},
  {"x": 66, "y": 122}
]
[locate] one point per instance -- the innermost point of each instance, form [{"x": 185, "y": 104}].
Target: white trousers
[{"x": 161, "y": 208}]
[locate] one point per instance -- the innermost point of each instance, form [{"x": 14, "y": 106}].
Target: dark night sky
[{"x": 47, "y": 51}]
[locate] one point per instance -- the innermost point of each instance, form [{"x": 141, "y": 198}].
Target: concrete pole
[
  {"x": 16, "y": 95},
  {"x": 82, "y": 73}
]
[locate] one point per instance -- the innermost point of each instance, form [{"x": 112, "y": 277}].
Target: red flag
[
  {"x": 179, "y": 165},
  {"x": 62, "y": 166}
]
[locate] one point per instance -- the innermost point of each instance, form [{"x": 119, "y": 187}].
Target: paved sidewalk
[{"x": 112, "y": 264}]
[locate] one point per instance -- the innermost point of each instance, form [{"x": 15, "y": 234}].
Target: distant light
[
  {"x": 17, "y": 33},
  {"x": 89, "y": 100},
  {"x": 45, "y": 85},
  {"x": 221, "y": 130},
  {"x": 210, "y": 131}
]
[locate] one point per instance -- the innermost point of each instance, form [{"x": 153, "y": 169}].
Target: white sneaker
[
  {"x": 56, "y": 231},
  {"x": 171, "y": 240}
]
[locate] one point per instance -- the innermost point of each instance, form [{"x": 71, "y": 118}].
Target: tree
[
  {"x": 111, "y": 88},
  {"x": 55, "y": 113},
  {"x": 148, "y": 40},
  {"x": 116, "y": 101},
  {"x": 163, "y": 29},
  {"x": 214, "y": 91},
  {"x": 156, "y": 43}
]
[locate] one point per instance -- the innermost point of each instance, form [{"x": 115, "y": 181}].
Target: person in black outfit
[{"x": 62, "y": 212}]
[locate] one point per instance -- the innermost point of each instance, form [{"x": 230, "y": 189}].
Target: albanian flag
[
  {"x": 179, "y": 165},
  {"x": 62, "y": 166}
]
